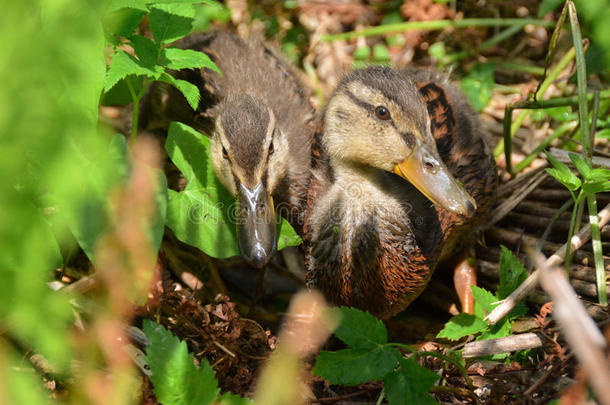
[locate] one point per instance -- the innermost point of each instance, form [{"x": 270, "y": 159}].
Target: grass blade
[{"x": 438, "y": 25}]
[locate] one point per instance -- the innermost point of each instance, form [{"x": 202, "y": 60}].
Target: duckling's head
[
  {"x": 250, "y": 158},
  {"x": 376, "y": 118}
]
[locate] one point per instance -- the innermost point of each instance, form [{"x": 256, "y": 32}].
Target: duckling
[
  {"x": 401, "y": 179},
  {"x": 261, "y": 124}
]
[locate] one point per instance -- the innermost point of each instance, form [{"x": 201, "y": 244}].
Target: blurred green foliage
[{"x": 53, "y": 55}]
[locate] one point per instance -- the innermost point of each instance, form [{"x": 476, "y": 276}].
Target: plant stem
[
  {"x": 581, "y": 79},
  {"x": 135, "y": 116},
  {"x": 438, "y": 25},
  {"x": 587, "y": 150},
  {"x": 560, "y": 101},
  {"x": 573, "y": 220},
  {"x": 496, "y": 39},
  {"x": 381, "y": 397},
  {"x": 600, "y": 273},
  {"x": 514, "y": 126}
]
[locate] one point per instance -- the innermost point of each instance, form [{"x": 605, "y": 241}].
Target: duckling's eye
[
  {"x": 271, "y": 148},
  {"x": 224, "y": 153},
  {"x": 382, "y": 113}
]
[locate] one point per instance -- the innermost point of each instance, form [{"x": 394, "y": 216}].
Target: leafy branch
[{"x": 151, "y": 58}]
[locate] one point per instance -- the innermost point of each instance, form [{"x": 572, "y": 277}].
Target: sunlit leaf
[
  {"x": 462, "y": 325},
  {"x": 359, "y": 329},
  {"x": 175, "y": 58},
  {"x": 170, "y": 22},
  {"x": 356, "y": 366},
  {"x": 410, "y": 384},
  {"x": 176, "y": 380}
]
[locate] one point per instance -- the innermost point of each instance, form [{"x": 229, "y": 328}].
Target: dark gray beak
[{"x": 256, "y": 226}]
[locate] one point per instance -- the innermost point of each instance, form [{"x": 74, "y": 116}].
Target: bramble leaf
[
  {"x": 410, "y": 384},
  {"x": 122, "y": 22},
  {"x": 175, "y": 58},
  {"x": 359, "y": 329},
  {"x": 145, "y": 49},
  {"x": 124, "y": 65},
  {"x": 483, "y": 301},
  {"x": 188, "y": 89},
  {"x": 462, "y": 325},
  {"x": 176, "y": 380},
  {"x": 170, "y": 22},
  {"x": 356, "y": 366},
  {"x": 512, "y": 273}
]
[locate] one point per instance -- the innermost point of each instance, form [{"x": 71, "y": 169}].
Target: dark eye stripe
[{"x": 361, "y": 103}]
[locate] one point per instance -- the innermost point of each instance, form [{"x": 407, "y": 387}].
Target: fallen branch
[{"x": 507, "y": 344}]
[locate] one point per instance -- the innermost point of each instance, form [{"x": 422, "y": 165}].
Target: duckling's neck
[{"x": 364, "y": 189}]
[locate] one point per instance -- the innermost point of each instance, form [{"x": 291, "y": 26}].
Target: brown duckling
[
  {"x": 401, "y": 178},
  {"x": 261, "y": 124}
]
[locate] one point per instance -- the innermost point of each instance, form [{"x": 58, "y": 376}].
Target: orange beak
[{"x": 426, "y": 171}]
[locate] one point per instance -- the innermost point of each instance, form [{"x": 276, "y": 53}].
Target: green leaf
[
  {"x": 175, "y": 378},
  {"x": 145, "y": 49},
  {"x": 478, "y": 85},
  {"x": 91, "y": 218},
  {"x": 512, "y": 273},
  {"x": 175, "y": 58},
  {"x": 500, "y": 329},
  {"x": 563, "y": 174},
  {"x": 356, "y": 366},
  {"x": 189, "y": 90},
  {"x": 362, "y": 52},
  {"x": 381, "y": 53},
  {"x": 359, "y": 329},
  {"x": 287, "y": 236},
  {"x": 123, "y": 22},
  {"x": 123, "y": 65},
  {"x": 594, "y": 187},
  {"x": 462, "y": 325},
  {"x": 483, "y": 301},
  {"x": 120, "y": 94},
  {"x": 199, "y": 215},
  {"x": 410, "y": 384},
  {"x": 580, "y": 165},
  {"x": 114, "y": 5},
  {"x": 170, "y": 22},
  {"x": 599, "y": 174}
]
